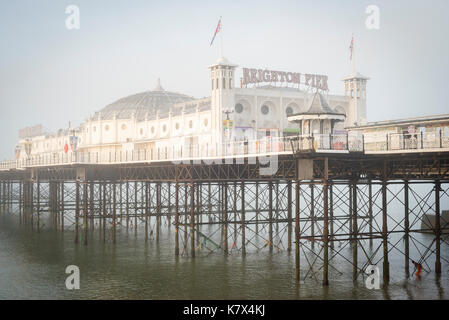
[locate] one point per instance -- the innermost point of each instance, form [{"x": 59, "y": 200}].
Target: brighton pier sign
[{"x": 263, "y": 75}]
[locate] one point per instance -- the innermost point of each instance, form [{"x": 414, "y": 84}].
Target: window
[
  {"x": 216, "y": 85},
  {"x": 123, "y": 126},
  {"x": 289, "y": 111},
  {"x": 95, "y": 129},
  {"x": 212, "y": 84},
  {"x": 164, "y": 128},
  {"x": 106, "y": 127},
  {"x": 238, "y": 108},
  {"x": 206, "y": 122},
  {"x": 141, "y": 131},
  {"x": 264, "y": 109},
  {"x": 230, "y": 83},
  {"x": 190, "y": 124},
  {"x": 224, "y": 83},
  {"x": 177, "y": 125},
  {"x": 152, "y": 130}
]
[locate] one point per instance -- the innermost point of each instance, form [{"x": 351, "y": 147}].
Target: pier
[{"x": 329, "y": 197}]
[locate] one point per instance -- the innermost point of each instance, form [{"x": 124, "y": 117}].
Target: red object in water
[{"x": 66, "y": 148}]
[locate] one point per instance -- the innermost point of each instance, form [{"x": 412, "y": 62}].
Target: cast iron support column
[
  {"x": 354, "y": 232},
  {"x": 386, "y": 265},
  {"x": 312, "y": 214},
  {"x": 147, "y": 205},
  {"x": 325, "y": 225},
  {"x": 114, "y": 212},
  {"x": 177, "y": 218},
  {"x": 297, "y": 255},
  {"x": 225, "y": 216},
  {"x": 406, "y": 229},
  {"x": 135, "y": 207},
  {"x": 85, "y": 227},
  {"x": 370, "y": 212},
  {"x": 289, "y": 215},
  {"x": 192, "y": 219},
  {"x": 38, "y": 203},
  {"x": 104, "y": 211},
  {"x": 331, "y": 214},
  {"x": 127, "y": 205},
  {"x": 270, "y": 215},
  {"x": 77, "y": 209},
  {"x": 243, "y": 218},
  {"x": 437, "y": 228}
]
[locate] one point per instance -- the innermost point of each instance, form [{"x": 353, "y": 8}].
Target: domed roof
[{"x": 143, "y": 104}]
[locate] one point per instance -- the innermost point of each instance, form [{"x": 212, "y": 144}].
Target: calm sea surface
[{"x": 32, "y": 266}]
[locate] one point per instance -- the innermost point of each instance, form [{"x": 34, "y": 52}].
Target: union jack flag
[{"x": 217, "y": 30}]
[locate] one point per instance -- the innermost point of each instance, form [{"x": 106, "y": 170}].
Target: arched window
[
  {"x": 238, "y": 108},
  {"x": 265, "y": 109},
  {"x": 289, "y": 111}
]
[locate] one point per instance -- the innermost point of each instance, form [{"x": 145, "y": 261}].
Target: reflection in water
[{"x": 32, "y": 266}]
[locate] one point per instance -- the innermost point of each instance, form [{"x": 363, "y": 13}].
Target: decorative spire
[{"x": 158, "y": 86}]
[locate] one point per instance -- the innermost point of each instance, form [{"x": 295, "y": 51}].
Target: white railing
[
  {"x": 400, "y": 141},
  {"x": 268, "y": 146},
  {"x": 175, "y": 153}
]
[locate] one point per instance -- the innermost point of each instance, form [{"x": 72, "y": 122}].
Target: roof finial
[{"x": 158, "y": 86}]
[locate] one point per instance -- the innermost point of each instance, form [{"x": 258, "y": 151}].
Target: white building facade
[{"x": 160, "y": 122}]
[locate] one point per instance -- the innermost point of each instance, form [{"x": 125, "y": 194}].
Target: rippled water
[{"x": 32, "y": 266}]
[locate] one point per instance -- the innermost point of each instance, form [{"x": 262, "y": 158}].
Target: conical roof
[{"x": 319, "y": 105}]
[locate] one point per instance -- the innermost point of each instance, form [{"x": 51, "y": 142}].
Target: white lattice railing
[{"x": 351, "y": 142}]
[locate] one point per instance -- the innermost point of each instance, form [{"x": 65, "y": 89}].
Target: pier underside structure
[{"x": 335, "y": 212}]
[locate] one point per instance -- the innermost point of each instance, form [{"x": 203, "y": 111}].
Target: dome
[
  {"x": 223, "y": 61},
  {"x": 143, "y": 104}
]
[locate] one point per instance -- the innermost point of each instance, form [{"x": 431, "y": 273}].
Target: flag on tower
[
  {"x": 351, "y": 47},
  {"x": 217, "y": 30}
]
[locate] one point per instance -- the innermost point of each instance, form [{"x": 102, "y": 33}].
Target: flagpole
[
  {"x": 221, "y": 37},
  {"x": 353, "y": 55}
]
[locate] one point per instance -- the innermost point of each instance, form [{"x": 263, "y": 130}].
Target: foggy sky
[{"x": 51, "y": 75}]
